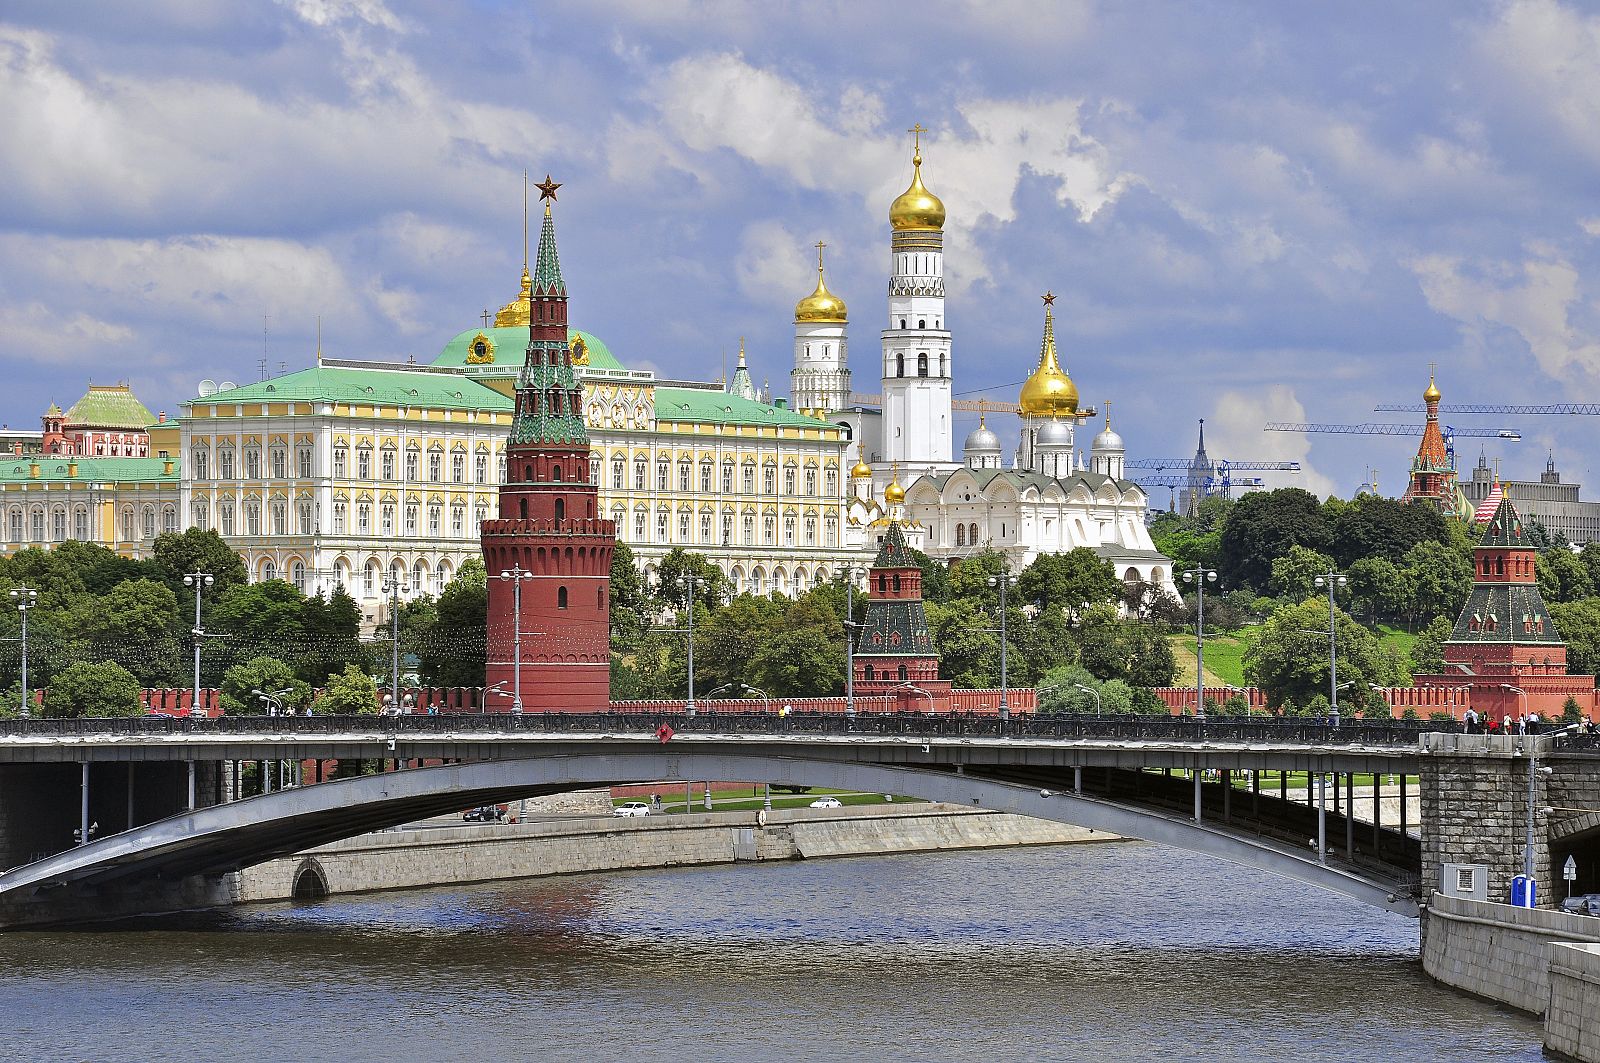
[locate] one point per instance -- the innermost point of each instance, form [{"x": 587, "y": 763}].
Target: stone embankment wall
[
  {"x": 1572, "y": 1022},
  {"x": 1534, "y": 960},
  {"x": 482, "y": 853}
]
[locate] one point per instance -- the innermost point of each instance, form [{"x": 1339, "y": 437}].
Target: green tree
[
  {"x": 174, "y": 556},
  {"x": 455, "y": 650},
  {"x": 1069, "y": 581},
  {"x": 265, "y": 674},
  {"x": 1294, "y": 574},
  {"x": 935, "y": 577},
  {"x": 1288, "y": 659},
  {"x": 804, "y": 657},
  {"x": 133, "y": 623},
  {"x": 630, "y": 606},
  {"x": 1439, "y": 578},
  {"x": 1590, "y": 557},
  {"x": 350, "y": 692},
  {"x": 1377, "y": 527},
  {"x": 1571, "y": 711},
  {"x": 969, "y": 578},
  {"x": 1262, "y": 526},
  {"x": 1579, "y": 626},
  {"x": 1427, "y": 653},
  {"x": 95, "y": 689},
  {"x": 969, "y": 650},
  {"x": 1378, "y": 589},
  {"x": 1562, "y": 576},
  {"x": 710, "y": 585}
]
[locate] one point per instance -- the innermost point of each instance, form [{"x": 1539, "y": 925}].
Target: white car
[
  {"x": 631, "y": 808},
  {"x": 827, "y": 802}
]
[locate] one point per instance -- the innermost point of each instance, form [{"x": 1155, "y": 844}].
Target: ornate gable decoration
[{"x": 480, "y": 351}]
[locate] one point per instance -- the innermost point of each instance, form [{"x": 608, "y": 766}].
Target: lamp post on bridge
[
  {"x": 26, "y": 598},
  {"x": 1332, "y": 580},
  {"x": 1003, "y": 581},
  {"x": 516, "y": 573},
  {"x": 1092, "y": 692},
  {"x": 199, "y": 581},
  {"x": 1200, "y": 576},
  {"x": 850, "y": 641}
]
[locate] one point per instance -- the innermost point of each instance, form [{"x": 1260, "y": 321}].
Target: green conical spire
[{"x": 547, "y": 264}]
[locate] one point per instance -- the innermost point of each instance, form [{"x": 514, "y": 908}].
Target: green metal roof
[
  {"x": 385, "y": 387},
  {"x": 94, "y": 470},
  {"x": 1505, "y": 529},
  {"x": 510, "y": 348},
  {"x": 110, "y": 406},
  {"x": 893, "y": 552},
  {"x": 716, "y": 407}
]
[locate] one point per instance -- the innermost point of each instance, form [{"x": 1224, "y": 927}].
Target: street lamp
[
  {"x": 1093, "y": 693},
  {"x": 273, "y": 698},
  {"x": 26, "y": 598},
  {"x": 691, "y": 579},
  {"x": 391, "y": 586},
  {"x": 516, "y": 574},
  {"x": 1200, "y": 576},
  {"x": 850, "y": 642},
  {"x": 916, "y": 689},
  {"x": 1003, "y": 581},
  {"x": 199, "y": 581},
  {"x": 1332, "y": 580}
]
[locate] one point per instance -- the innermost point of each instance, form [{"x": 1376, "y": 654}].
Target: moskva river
[{"x": 1093, "y": 952}]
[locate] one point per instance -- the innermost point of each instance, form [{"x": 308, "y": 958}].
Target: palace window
[
  {"x": 363, "y": 463},
  {"x": 458, "y": 520},
  {"x": 386, "y": 463},
  {"x": 661, "y": 526},
  {"x": 58, "y": 524},
  {"x": 303, "y": 459},
  {"x": 280, "y": 463},
  {"x": 252, "y": 517},
  {"x": 683, "y": 527},
  {"x": 252, "y": 463},
  {"x": 831, "y": 531},
  {"x": 749, "y": 478},
  {"x": 769, "y": 480},
  {"x": 727, "y": 477},
  {"x": 830, "y": 480},
  {"x": 458, "y": 468},
  {"x": 683, "y": 476},
  {"x": 412, "y": 462},
  {"x": 663, "y": 471},
  {"x": 705, "y": 527},
  {"x": 769, "y": 530},
  {"x": 411, "y": 518},
  {"x": 197, "y": 515},
  {"x": 341, "y": 463},
  {"x": 480, "y": 468},
  {"x": 638, "y": 526},
  {"x": 705, "y": 477},
  {"x": 363, "y": 518},
  {"x": 36, "y": 522},
  {"x": 811, "y": 480},
  {"x": 305, "y": 518},
  {"x": 225, "y": 519},
  {"x": 280, "y": 518},
  {"x": 619, "y": 470},
  {"x": 386, "y": 521},
  {"x": 435, "y": 518},
  {"x": 435, "y": 466},
  {"x": 341, "y": 517},
  {"x": 202, "y": 462},
  {"x": 639, "y": 473},
  {"x": 788, "y": 531},
  {"x": 811, "y": 531}
]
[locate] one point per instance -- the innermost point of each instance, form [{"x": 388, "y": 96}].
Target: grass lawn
[
  {"x": 1398, "y": 639},
  {"x": 1224, "y": 660},
  {"x": 742, "y": 799}
]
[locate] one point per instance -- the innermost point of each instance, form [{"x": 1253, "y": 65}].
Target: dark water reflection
[{"x": 1122, "y": 952}]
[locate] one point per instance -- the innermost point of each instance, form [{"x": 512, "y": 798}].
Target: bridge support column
[
  {"x": 1349, "y": 814},
  {"x": 1196, "y": 773},
  {"x": 83, "y": 808},
  {"x": 130, "y": 795},
  {"x": 1322, "y": 815},
  {"x": 1377, "y": 814},
  {"x": 1403, "y": 804},
  {"x": 1077, "y": 780},
  {"x": 191, "y": 786},
  {"x": 1227, "y": 795}
]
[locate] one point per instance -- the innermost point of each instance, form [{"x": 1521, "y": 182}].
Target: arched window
[
  {"x": 922, "y": 363},
  {"x": 527, "y": 474},
  {"x": 561, "y": 509},
  {"x": 961, "y": 535},
  {"x": 522, "y": 506},
  {"x": 870, "y": 673},
  {"x": 561, "y": 597},
  {"x": 904, "y": 676},
  {"x": 897, "y": 583},
  {"x": 899, "y": 363},
  {"x": 555, "y": 473}
]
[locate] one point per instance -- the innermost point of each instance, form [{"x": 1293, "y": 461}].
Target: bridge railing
[{"x": 1293, "y": 730}]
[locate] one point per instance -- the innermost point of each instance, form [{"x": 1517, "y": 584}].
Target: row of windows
[
  {"x": 796, "y": 532},
  {"x": 922, "y": 363},
  {"x": 732, "y": 480},
  {"x": 389, "y": 464}
]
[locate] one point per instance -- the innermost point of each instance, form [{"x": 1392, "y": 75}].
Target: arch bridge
[{"x": 1225, "y": 788}]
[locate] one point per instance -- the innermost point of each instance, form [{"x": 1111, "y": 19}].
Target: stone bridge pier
[{"x": 1478, "y": 792}]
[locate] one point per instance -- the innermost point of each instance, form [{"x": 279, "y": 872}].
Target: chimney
[
  {"x": 72, "y": 470},
  {"x": 33, "y": 470},
  {"x": 166, "y": 467},
  {"x": 161, "y": 418},
  {"x": 781, "y": 403}
]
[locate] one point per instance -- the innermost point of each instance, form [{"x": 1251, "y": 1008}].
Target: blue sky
[{"x": 1248, "y": 211}]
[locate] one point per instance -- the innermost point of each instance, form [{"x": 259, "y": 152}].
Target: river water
[{"x": 1090, "y": 952}]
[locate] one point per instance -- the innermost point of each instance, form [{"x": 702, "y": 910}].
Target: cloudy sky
[{"x": 1248, "y": 211}]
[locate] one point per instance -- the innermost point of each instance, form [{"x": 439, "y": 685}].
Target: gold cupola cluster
[
  {"x": 917, "y": 209},
  {"x": 1049, "y": 392},
  {"x": 821, "y": 306}
]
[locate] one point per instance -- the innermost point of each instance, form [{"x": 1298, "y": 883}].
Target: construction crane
[
  {"x": 858, "y": 398},
  {"x": 1238, "y": 466},
  {"x": 1449, "y": 432},
  {"x": 1583, "y": 409},
  {"x": 1222, "y": 483}
]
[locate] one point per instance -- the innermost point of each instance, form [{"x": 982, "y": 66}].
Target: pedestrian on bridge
[{"x": 1469, "y": 720}]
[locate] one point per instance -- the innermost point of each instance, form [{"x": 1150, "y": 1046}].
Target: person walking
[{"x": 1469, "y": 720}]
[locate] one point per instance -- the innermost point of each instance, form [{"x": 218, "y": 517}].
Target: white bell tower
[{"x": 917, "y": 421}]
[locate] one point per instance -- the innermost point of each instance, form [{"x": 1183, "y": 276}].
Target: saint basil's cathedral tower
[{"x": 548, "y": 539}]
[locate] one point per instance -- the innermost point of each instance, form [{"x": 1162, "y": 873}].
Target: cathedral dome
[
  {"x": 1049, "y": 392},
  {"x": 917, "y": 208},
  {"x": 821, "y": 306},
  {"x": 1107, "y": 440},
  {"x": 1054, "y": 434},
  {"x": 1432, "y": 394},
  {"x": 861, "y": 471},
  {"x": 982, "y": 440},
  {"x": 894, "y": 494}
]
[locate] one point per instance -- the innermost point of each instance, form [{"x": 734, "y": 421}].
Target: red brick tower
[
  {"x": 549, "y": 525},
  {"x": 1505, "y": 646},
  {"x": 895, "y": 654}
]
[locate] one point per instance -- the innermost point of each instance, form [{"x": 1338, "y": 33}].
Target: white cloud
[
  {"x": 1548, "y": 54},
  {"x": 33, "y": 332},
  {"x": 772, "y": 268},
  {"x": 1233, "y": 431},
  {"x": 1537, "y": 297}
]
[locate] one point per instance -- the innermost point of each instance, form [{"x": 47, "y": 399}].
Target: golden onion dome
[
  {"x": 1432, "y": 394},
  {"x": 894, "y": 494},
  {"x": 861, "y": 471},
  {"x": 1049, "y": 392},
  {"x": 821, "y": 306},
  {"x": 916, "y": 208}
]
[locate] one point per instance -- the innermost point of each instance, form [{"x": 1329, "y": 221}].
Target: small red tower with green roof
[
  {"x": 549, "y": 535},
  {"x": 1505, "y": 646},
  {"x": 895, "y": 656}
]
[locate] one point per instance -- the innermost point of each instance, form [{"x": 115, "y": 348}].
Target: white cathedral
[{"x": 1048, "y": 500}]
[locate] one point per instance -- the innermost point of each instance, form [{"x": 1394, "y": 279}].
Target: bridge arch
[{"x": 225, "y": 837}]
